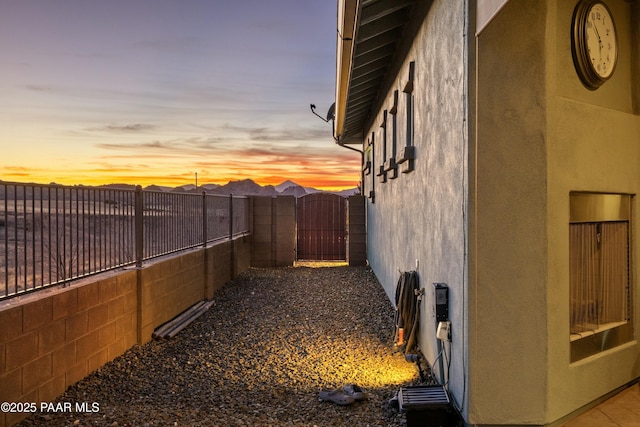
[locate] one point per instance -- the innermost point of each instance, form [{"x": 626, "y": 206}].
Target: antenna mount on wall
[{"x": 330, "y": 114}]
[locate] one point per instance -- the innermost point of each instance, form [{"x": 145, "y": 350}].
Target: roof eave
[
  {"x": 347, "y": 16},
  {"x": 369, "y": 35}
]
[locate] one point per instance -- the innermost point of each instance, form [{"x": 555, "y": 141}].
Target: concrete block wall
[
  {"x": 262, "y": 232},
  {"x": 169, "y": 287},
  {"x": 219, "y": 268},
  {"x": 225, "y": 261},
  {"x": 51, "y": 339},
  {"x": 274, "y": 231},
  {"x": 241, "y": 254},
  {"x": 284, "y": 210},
  {"x": 356, "y": 231}
]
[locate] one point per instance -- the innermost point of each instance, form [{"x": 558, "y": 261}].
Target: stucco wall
[
  {"x": 541, "y": 135},
  {"x": 421, "y": 215},
  {"x": 507, "y": 313},
  {"x": 486, "y": 209},
  {"x": 593, "y": 145}
]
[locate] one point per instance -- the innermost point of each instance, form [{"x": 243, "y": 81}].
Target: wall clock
[{"x": 594, "y": 43}]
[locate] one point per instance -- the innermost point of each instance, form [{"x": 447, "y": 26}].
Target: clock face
[
  {"x": 600, "y": 38},
  {"x": 594, "y": 43}
]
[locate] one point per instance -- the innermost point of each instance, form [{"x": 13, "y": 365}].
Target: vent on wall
[
  {"x": 599, "y": 272},
  {"x": 427, "y": 406}
]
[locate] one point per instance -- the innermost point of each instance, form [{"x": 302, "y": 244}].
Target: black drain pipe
[
  {"x": 333, "y": 124},
  {"x": 361, "y": 162}
]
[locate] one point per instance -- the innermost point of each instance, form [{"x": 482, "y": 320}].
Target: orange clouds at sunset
[
  {"x": 309, "y": 167},
  {"x": 218, "y": 90}
]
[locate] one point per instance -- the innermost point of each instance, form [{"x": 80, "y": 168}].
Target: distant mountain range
[
  {"x": 248, "y": 187},
  {"x": 245, "y": 187}
]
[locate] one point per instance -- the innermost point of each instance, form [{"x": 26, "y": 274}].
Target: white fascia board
[{"x": 347, "y": 18}]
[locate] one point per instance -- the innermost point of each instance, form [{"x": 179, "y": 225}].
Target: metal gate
[{"x": 321, "y": 221}]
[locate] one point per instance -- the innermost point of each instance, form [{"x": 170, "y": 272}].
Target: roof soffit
[{"x": 379, "y": 29}]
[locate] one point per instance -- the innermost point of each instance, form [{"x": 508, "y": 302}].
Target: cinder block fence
[{"x": 51, "y": 339}]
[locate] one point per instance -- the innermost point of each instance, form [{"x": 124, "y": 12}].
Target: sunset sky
[{"x": 154, "y": 91}]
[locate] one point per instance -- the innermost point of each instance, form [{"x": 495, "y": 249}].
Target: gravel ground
[{"x": 259, "y": 357}]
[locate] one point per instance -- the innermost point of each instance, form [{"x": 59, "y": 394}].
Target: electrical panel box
[{"x": 442, "y": 301}]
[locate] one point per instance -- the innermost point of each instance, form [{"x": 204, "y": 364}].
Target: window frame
[
  {"x": 409, "y": 152},
  {"x": 382, "y": 171},
  {"x": 588, "y": 211}
]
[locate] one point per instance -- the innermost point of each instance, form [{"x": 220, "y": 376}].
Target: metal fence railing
[{"x": 51, "y": 234}]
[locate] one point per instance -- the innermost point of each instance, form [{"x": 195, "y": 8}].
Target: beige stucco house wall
[
  {"x": 504, "y": 132},
  {"x": 593, "y": 145}
]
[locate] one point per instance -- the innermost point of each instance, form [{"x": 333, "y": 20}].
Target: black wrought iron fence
[{"x": 51, "y": 234}]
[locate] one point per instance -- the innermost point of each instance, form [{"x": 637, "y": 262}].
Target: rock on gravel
[{"x": 259, "y": 357}]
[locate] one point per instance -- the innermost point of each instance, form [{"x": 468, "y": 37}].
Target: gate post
[
  {"x": 139, "y": 226},
  {"x": 356, "y": 231},
  {"x": 273, "y": 231},
  {"x": 284, "y": 230}
]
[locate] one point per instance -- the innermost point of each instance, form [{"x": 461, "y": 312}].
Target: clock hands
[{"x": 595, "y": 27}]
